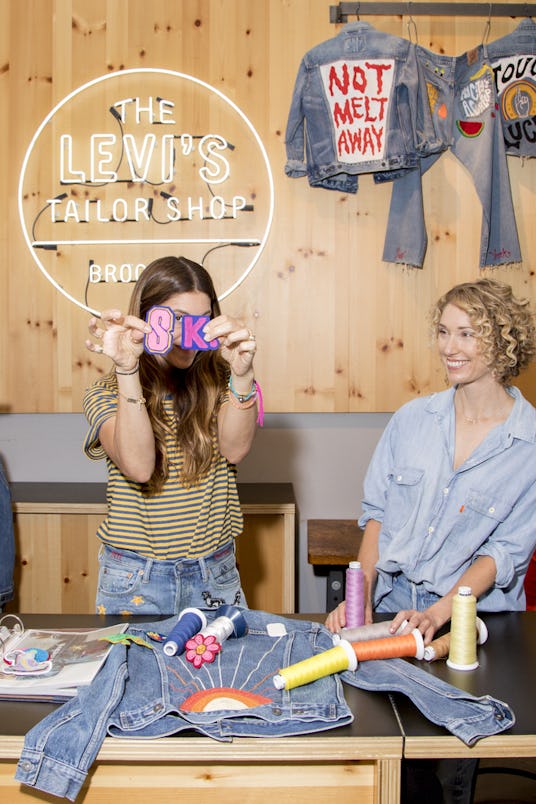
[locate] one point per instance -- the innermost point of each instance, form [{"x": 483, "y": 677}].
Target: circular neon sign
[{"x": 139, "y": 164}]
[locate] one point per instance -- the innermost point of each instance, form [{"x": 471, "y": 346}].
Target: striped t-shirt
[{"x": 179, "y": 522}]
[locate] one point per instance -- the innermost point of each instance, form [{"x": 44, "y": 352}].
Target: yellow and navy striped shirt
[{"x": 179, "y": 522}]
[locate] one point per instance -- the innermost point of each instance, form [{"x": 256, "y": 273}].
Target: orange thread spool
[{"x": 395, "y": 647}]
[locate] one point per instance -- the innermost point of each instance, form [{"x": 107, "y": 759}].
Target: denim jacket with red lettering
[{"x": 359, "y": 105}]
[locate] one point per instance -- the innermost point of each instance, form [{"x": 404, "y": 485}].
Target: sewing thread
[
  {"x": 334, "y": 660},
  {"x": 189, "y": 623},
  {"x": 355, "y": 595},
  {"x": 364, "y": 633},
  {"x": 439, "y": 648},
  {"x": 462, "y": 652},
  {"x": 394, "y": 647},
  {"x": 229, "y": 621}
]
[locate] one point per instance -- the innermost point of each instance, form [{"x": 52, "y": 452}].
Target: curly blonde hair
[{"x": 504, "y": 324}]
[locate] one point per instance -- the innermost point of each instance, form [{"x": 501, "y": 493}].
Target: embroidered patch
[{"x": 222, "y": 698}]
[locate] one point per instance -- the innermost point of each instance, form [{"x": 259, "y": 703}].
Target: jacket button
[
  {"x": 158, "y": 707},
  {"x": 26, "y": 765}
]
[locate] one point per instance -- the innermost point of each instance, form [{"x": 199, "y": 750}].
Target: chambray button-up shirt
[{"x": 436, "y": 520}]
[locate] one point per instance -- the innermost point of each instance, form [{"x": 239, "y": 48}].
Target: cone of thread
[
  {"x": 331, "y": 661},
  {"x": 355, "y": 595},
  {"x": 463, "y": 631}
]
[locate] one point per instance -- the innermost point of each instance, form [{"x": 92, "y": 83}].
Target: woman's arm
[{"x": 480, "y": 577}]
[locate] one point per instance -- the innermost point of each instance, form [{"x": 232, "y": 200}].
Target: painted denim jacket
[
  {"x": 513, "y": 59},
  {"x": 144, "y": 693},
  {"x": 358, "y": 106}
]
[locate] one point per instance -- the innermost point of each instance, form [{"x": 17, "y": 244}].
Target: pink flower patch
[{"x": 201, "y": 649}]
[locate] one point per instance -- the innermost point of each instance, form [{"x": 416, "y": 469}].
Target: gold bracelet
[{"x": 140, "y": 401}]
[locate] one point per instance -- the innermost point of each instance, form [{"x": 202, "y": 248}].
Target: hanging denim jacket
[
  {"x": 358, "y": 106},
  {"x": 141, "y": 692},
  {"x": 464, "y": 103},
  {"x": 513, "y": 59},
  {"x": 7, "y": 542}
]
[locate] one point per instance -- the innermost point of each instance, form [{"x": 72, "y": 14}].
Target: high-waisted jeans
[
  {"x": 144, "y": 693},
  {"x": 462, "y": 96}
]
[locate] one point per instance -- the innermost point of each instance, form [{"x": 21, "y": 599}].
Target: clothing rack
[{"x": 342, "y": 11}]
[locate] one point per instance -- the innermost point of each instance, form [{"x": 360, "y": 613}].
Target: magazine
[{"x": 38, "y": 664}]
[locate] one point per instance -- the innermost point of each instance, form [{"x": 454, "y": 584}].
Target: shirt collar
[{"x": 521, "y": 422}]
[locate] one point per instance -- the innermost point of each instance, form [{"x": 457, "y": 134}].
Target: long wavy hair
[
  {"x": 504, "y": 324},
  {"x": 196, "y": 391}
]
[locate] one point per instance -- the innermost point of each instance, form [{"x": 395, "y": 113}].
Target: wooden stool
[{"x": 333, "y": 543}]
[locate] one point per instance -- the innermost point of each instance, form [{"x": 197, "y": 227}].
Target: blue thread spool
[
  {"x": 190, "y": 622},
  {"x": 229, "y": 621}
]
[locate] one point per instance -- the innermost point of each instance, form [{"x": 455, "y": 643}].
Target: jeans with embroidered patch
[
  {"x": 133, "y": 584},
  {"x": 463, "y": 100}
]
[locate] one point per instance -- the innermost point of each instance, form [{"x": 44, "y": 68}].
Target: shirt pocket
[
  {"x": 403, "y": 496},
  {"x": 483, "y": 504}
]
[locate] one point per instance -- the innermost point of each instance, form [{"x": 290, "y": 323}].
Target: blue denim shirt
[
  {"x": 435, "y": 519},
  {"x": 513, "y": 59},
  {"x": 7, "y": 541},
  {"x": 358, "y": 106},
  {"x": 144, "y": 693}
]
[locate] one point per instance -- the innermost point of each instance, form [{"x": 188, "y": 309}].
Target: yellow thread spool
[
  {"x": 439, "y": 648},
  {"x": 335, "y": 660},
  {"x": 463, "y": 631}
]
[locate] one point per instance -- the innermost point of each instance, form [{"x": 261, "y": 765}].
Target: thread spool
[
  {"x": 395, "y": 647},
  {"x": 335, "y": 660},
  {"x": 372, "y": 631},
  {"x": 189, "y": 623},
  {"x": 229, "y": 621},
  {"x": 462, "y": 651},
  {"x": 439, "y": 648},
  {"x": 355, "y": 595}
]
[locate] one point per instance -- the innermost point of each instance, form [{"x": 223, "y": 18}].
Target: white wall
[{"x": 323, "y": 455}]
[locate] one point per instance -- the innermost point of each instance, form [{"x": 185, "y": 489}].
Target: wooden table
[{"x": 361, "y": 762}]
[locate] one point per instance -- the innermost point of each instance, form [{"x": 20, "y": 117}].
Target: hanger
[
  {"x": 412, "y": 25},
  {"x": 487, "y": 27}
]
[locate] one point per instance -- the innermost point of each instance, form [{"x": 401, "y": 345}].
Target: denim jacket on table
[
  {"x": 7, "y": 542},
  {"x": 143, "y": 693},
  {"x": 513, "y": 59},
  {"x": 358, "y": 106}
]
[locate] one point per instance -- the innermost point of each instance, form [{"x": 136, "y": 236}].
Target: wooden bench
[{"x": 331, "y": 545}]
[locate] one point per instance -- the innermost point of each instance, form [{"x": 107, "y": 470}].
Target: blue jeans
[
  {"x": 464, "y": 110},
  {"x": 405, "y": 595},
  {"x": 7, "y": 542},
  {"x": 133, "y": 584}
]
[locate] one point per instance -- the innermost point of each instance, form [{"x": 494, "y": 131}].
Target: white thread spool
[{"x": 463, "y": 631}]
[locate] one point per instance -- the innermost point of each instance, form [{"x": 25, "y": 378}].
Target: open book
[{"x": 41, "y": 665}]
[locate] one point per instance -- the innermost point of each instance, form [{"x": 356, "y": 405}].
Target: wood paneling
[{"x": 337, "y": 329}]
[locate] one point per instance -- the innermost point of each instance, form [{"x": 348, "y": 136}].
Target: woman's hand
[
  {"x": 336, "y": 619},
  {"x": 121, "y": 337},
  {"x": 425, "y": 621},
  {"x": 237, "y": 343}
]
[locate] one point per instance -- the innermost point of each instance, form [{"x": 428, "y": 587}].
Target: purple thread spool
[
  {"x": 355, "y": 595},
  {"x": 190, "y": 622}
]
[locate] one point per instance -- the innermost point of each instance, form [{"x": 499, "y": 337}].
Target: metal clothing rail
[{"x": 342, "y": 11}]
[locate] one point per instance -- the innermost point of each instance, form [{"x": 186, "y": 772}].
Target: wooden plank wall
[{"x": 338, "y": 330}]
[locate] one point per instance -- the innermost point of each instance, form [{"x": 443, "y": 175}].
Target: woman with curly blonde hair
[
  {"x": 172, "y": 426},
  {"x": 450, "y": 492}
]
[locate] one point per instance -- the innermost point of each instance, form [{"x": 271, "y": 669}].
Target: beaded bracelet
[{"x": 243, "y": 397}]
